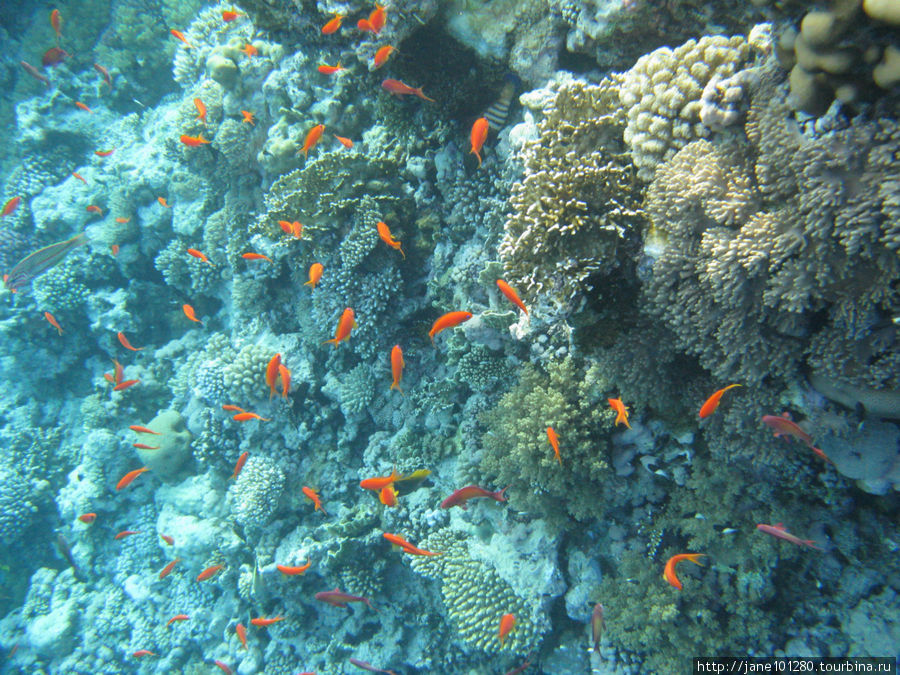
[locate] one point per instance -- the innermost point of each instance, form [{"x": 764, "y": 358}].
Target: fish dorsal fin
[
  {"x": 786, "y": 415},
  {"x": 780, "y": 526}
]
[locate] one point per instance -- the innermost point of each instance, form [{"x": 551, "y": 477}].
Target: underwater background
[{"x": 471, "y": 337}]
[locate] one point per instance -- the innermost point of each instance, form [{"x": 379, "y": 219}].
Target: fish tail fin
[
  {"x": 369, "y": 604},
  {"x": 500, "y": 495},
  {"x": 401, "y": 252},
  {"x": 478, "y": 155}
]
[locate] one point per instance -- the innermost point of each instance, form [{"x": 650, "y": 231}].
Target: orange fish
[
  {"x": 398, "y": 88},
  {"x": 109, "y": 378},
  {"x": 385, "y": 233},
  {"x": 190, "y": 314},
  {"x": 224, "y": 668},
  {"x": 143, "y": 652},
  {"x": 245, "y": 416},
  {"x": 119, "y": 370},
  {"x": 177, "y": 617},
  {"x": 315, "y": 273},
  {"x": 330, "y": 70},
  {"x": 114, "y": 249},
  {"x": 248, "y": 117},
  {"x": 554, "y": 443},
  {"x": 511, "y": 295},
  {"x": 54, "y": 56},
  {"x": 199, "y": 255},
  {"x": 125, "y": 343},
  {"x": 712, "y": 402},
  {"x": 313, "y": 496},
  {"x": 478, "y": 137},
  {"x": 621, "y": 411},
  {"x": 365, "y": 26},
  {"x": 144, "y": 446},
  {"x": 250, "y": 50},
  {"x": 507, "y": 622},
  {"x": 397, "y": 366},
  {"x": 295, "y": 228},
  {"x": 263, "y": 621},
  {"x": 104, "y": 73},
  {"x": 122, "y": 220},
  {"x": 448, "y": 320},
  {"x": 104, "y": 153},
  {"x": 10, "y": 206},
  {"x": 81, "y": 105},
  {"x": 229, "y": 15},
  {"x": 79, "y": 177},
  {"x": 167, "y": 570},
  {"x": 34, "y": 72},
  {"x": 346, "y": 323},
  {"x": 397, "y": 540},
  {"x": 55, "y": 21},
  {"x": 162, "y": 201},
  {"x": 233, "y": 408},
  {"x": 332, "y": 25},
  {"x": 193, "y": 141},
  {"x": 130, "y": 476},
  {"x": 201, "y": 110},
  {"x": 126, "y": 533},
  {"x": 124, "y": 385},
  {"x": 209, "y": 572},
  {"x": 669, "y": 572},
  {"x": 169, "y": 540},
  {"x": 380, "y": 481},
  {"x": 388, "y": 496},
  {"x": 255, "y": 256},
  {"x": 241, "y": 633},
  {"x": 272, "y": 373},
  {"x": 382, "y": 55},
  {"x": 377, "y": 18},
  {"x": 53, "y": 322},
  {"x": 143, "y": 430},
  {"x": 285, "y": 376},
  {"x": 179, "y": 35},
  {"x": 291, "y": 571},
  {"x": 239, "y": 465},
  {"x": 346, "y": 142},
  {"x": 312, "y": 137},
  {"x": 94, "y": 209},
  {"x": 87, "y": 518}
]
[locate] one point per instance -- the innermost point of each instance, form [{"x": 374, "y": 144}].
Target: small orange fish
[
  {"x": 114, "y": 249},
  {"x": 241, "y": 633},
  {"x": 377, "y": 18},
  {"x": 295, "y": 228},
  {"x": 109, "y": 378},
  {"x": 554, "y": 443},
  {"x": 55, "y": 21},
  {"x": 144, "y": 446},
  {"x": 621, "y": 411},
  {"x": 124, "y": 385},
  {"x": 263, "y": 621},
  {"x": 233, "y": 408},
  {"x": 129, "y": 477},
  {"x": 332, "y": 25},
  {"x": 199, "y": 255},
  {"x": 239, "y": 465},
  {"x": 10, "y": 206},
  {"x": 122, "y": 221},
  {"x": 126, "y": 533},
  {"x": 669, "y": 571},
  {"x": 507, "y": 622},
  {"x": 250, "y": 50},
  {"x": 325, "y": 69},
  {"x": 313, "y": 496},
  {"x": 54, "y": 56},
  {"x": 87, "y": 518},
  {"x": 169, "y": 540},
  {"x": 245, "y": 416},
  {"x": 397, "y": 366},
  {"x": 94, "y": 209},
  {"x": 190, "y": 314},
  {"x": 382, "y": 55},
  {"x": 229, "y": 15},
  {"x": 201, "y": 110},
  {"x": 398, "y": 88},
  {"x": 34, "y": 72},
  {"x": 119, "y": 370},
  {"x": 292, "y": 571},
  {"x": 104, "y": 153},
  {"x": 167, "y": 570},
  {"x": 179, "y": 35},
  {"x": 104, "y": 73},
  {"x": 125, "y": 343},
  {"x": 248, "y": 117},
  {"x": 365, "y": 26},
  {"x": 385, "y": 233},
  {"x": 162, "y": 201},
  {"x": 388, "y": 496},
  {"x": 272, "y": 373},
  {"x": 209, "y": 572},
  {"x": 255, "y": 256},
  {"x": 511, "y": 295},
  {"x": 346, "y": 142},
  {"x": 397, "y": 540},
  {"x": 285, "y": 376},
  {"x": 346, "y": 323},
  {"x": 79, "y": 177},
  {"x": 712, "y": 402},
  {"x": 143, "y": 652},
  {"x": 143, "y": 430},
  {"x": 223, "y": 667},
  {"x": 177, "y": 617},
  {"x": 448, "y": 320},
  {"x": 379, "y": 481},
  {"x": 479, "y": 135},
  {"x": 53, "y": 322},
  {"x": 193, "y": 141},
  {"x": 315, "y": 273},
  {"x": 312, "y": 137},
  {"x": 82, "y": 106}
]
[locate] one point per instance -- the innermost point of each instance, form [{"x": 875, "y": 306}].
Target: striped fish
[
  {"x": 40, "y": 261},
  {"x": 498, "y": 112}
]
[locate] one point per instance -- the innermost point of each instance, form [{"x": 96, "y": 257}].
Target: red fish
[
  {"x": 597, "y": 626},
  {"x": 369, "y": 667},
  {"x": 193, "y": 141},
  {"x": 293, "y": 228},
  {"x": 669, "y": 572},
  {"x": 143, "y": 430},
  {"x": 554, "y": 443},
  {"x": 143, "y": 652},
  {"x": 272, "y": 373},
  {"x": 119, "y": 370},
  {"x": 239, "y": 465},
  {"x": 241, "y": 633},
  {"x": 778, "y": 530},
  {"x": 53, "y": 57},
  {"x": 169, "y": 540},
  {"x": 248, "y": 117},
  {"x": 190, "y": 313},
  {"x": 126, "y": 533},
  {"x": 382, "y": 55},
  {"x": 246, "y": 416},
  {"x": 330, "y": 70},
  {"x": 167, "y": 570},
  {"x": 338, "y": 598},
  {"x": 125, "y": 343},
  {"x": 397, "y": 366},
  {"x": 225, "y": 669},
  {"x": 124, "y": 385},
  {"x": 285, "y": 376},
  {"x": 312, "y": 137},
  {"x": 10, "y": 206},
  {"x": 56, "y": 22},
  {"x": 209, "y": 572},
  {"x": 293, "y": 571},
  {"x": 621, "y": 411},
  {"x": 93, "y": 208},
  {"x": 388, "y": 496},
  {"x": 104, "y": 153},
  {"x": 385, "y": 233},
  {"x": 79, "y": 177},
  {"x": 377, "y": 18},
  {"x": 398, "y": 88},
  {"x": 255, "y": 256},
  {"x": 179, "y": 35},
  {"x": 332, "y": 25},
  {"x": 507, "y": 622},
  {"x": 346, "y": 142},
  {"x": 448, "y": 320},
  {"x": 511, "y": 295},
  {"x": 464, "y": 494},
  {"x": 478, "y": 136},
  {"x": 229, "y": 15},
  {"x": 313, "y": 496},
  {"x": 346, "y": 323},
  {"x": 177, "y": 617},
  {"x": 397, "y": 540},
  {"x": 379, "y": 481},
  {"x": 129, "y": 477},
  {"x": 315, "y": 273},
  {"x": 87, "y": 518},
  {"x": 144, "y": 446},
  {"x": 53, "y": 322},
  {"x": 785, "y": 426},
  {"x": 263, "y": 621},
  {"x": 104, "y": 73},
  {"x": 82, "y": 106},
  {"x": 712, "y": 402}
]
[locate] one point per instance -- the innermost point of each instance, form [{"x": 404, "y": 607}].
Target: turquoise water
[{"x": 461, "y": 337}]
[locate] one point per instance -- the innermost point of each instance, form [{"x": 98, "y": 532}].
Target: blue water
[{"x": 423, "y": 365}]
